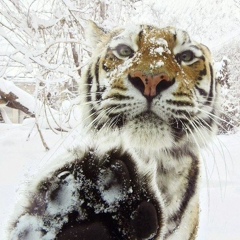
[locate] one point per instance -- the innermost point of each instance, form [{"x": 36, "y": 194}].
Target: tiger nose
[{"x": 150, "y": 85}]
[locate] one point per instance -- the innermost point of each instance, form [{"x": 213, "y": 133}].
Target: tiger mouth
[
  {"x": 178, "y": 125},
  {"x": 148, "y": 115}
]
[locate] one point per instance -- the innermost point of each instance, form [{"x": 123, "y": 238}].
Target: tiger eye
[
  {"x": 124, "y": 50},
  {"x": 186, "y": 56}
]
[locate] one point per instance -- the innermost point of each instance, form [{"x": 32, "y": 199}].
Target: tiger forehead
[
  {"x": 147, "y": 36},
  {"x": 164, "y": 37}
]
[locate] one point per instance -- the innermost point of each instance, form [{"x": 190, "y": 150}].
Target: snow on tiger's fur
[{"x": 149, "y": 101}]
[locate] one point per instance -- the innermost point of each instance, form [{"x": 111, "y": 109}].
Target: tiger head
[{"x": 151, "y": 83}]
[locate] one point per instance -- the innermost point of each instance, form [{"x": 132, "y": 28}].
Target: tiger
[{"x": 149, "y": 103}]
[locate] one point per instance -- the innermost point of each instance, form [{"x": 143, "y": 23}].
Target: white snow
[
  {"x": 30, "y": 222},
  {"x": 20, "y": 157},
  {"x": 114, "y": 193},
  {"x": 221, "y": 190},
  {"x": 66, "y": 198}
]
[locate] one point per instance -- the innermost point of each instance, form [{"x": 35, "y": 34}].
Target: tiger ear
[{"x": 94, "y": 33}]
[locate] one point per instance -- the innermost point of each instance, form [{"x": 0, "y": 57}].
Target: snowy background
[{"x": 43, "y": 45}]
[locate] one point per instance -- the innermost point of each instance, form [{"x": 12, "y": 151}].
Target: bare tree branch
[{"x": 42, "y": 138}]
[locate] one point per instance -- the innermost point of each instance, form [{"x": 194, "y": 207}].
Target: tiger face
[{"x": 151, "y": 83}]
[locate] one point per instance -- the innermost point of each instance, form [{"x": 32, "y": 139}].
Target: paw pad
[
  {"x": 89, "y": 231},
  {"x": 145, "y": 220}
]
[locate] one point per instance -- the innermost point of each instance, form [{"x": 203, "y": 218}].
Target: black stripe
[
  {"x": 96, "y": 72},
  {"x": 175, "y": 37},
  {"x": 89, "y": 84},
  {"x": 180, "y": 94},
  {"x": 210, "y": 95},
  {"x": 118, "y": 96},
  {"x": 180, "y": 103},
  {"x": 203, "y": 72},
  {"x": 201, "y": 91},
  {"x": 191, "y": 189},
  {"x": 88, "y": 94}
]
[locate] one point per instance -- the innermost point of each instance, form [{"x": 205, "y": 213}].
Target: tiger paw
[{"x": 94, "y": 197}]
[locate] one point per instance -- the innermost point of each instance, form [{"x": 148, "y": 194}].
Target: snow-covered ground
[{"x": 21, "y": 155}]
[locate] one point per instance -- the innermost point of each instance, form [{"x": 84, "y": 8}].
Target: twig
[{"x": 41, "y": 136}]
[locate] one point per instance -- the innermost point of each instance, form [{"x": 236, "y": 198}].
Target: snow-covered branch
[
  {"x": 45, "y": 115},
  {"x": 17, "y": 98}
]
